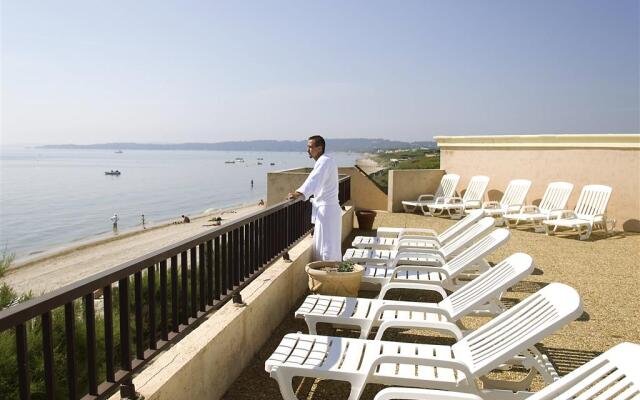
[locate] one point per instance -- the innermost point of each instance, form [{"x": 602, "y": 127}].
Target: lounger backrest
[
  {"x": 612, "y": 375},
  {"x": 519, "y": 328},
  {"x": 447, "y": 186},
  {"x": 476, "y": 188},
  {"x": 477, "y": 251},
  {"x": 515, "y": 193},
  {"x": 460, "y": 226},
  {"x": 489, "y": 284},
  {"x": 556, "y": 196},
  {"x": 593, "y": 200},
  {"x": 467, "y": 237}
]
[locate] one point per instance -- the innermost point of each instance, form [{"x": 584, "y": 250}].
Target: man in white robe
[{"x": 322, "y": 183}]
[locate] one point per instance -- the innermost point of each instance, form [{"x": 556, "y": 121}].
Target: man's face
[{"x": 313, "y": 150}]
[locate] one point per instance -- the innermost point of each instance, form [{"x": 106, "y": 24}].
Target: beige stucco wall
[
  {"x": 612, "y": 160},
  {"x": 408, "y": 184},
  {"x": 208, "y": 360},
  {"x": 364, "y": 193}
]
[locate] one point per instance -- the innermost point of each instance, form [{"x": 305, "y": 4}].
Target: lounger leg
[
  {"x": 538, "y": 226},
  {"x": 311, "y": 324},
  {"x": 285, "y": 383},
  {"x": 548, "y": 230},
  {"x": 583, "y": 233},
  {"x": 356, "y": 390}
]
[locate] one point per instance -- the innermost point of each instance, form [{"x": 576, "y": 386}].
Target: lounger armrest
[
  {"x": 415, "y": 306},
  {"x": 452, "y": 200},
  {"x": 411, "y": 286},
  {"x": 512, "y": 208},
  {"x": 393, "y": 393},
  {"x": 403, "y": 242},
  {"x": 418, "y": 237},
  {"x": 472, "y": 204},
  {"x": 428, "y": 362},
  {"x": 421, "y": 268},
  {"x": 442, "y": 326},
  {"x": 417, "y": 231},
  {"x": 530, "y": 209},
  {"x": 438, "y": 259},
  {"x": 416, "y": 252},
  {"x": 599, "y": 217},
  {"x": 491, "y": 204},
  {"x": 555, "y": 213},
  {"x": 424, "y": 197}
]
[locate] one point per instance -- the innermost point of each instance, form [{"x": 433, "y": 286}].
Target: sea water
[{"x": 53, "y": 197}]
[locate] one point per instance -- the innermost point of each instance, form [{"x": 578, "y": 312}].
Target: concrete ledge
[
  {"x": 604, "y": 141},
  {"x": 208, "y": 360}
]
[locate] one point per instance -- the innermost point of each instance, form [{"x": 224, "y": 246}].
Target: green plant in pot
[{"x": 335, "y": 278}]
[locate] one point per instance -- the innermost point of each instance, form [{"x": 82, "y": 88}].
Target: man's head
[{"x": 315, "y": 146}]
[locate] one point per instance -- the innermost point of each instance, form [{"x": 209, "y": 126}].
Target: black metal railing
[{"x": 165, "y": 293}]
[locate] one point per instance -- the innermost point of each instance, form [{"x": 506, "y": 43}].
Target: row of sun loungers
[
  {"x": 511, "y": 210},
  {"x": 425, "y": 260}
]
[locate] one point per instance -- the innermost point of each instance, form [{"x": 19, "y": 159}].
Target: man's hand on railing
[{"x": 294, "y": 195}]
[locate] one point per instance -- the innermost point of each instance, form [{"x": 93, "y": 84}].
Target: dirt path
[{"x": 70, "y": 265}]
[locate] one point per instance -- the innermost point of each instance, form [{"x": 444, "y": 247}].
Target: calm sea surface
[{"x": 50, "y": 198}]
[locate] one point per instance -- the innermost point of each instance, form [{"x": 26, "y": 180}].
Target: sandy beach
[{"x": 52, "y": 270}]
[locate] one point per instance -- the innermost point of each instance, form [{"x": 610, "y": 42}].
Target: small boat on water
[
  {"x": 112, "y": 172},
  {"x": 118, "y": 152},
  {"x": 259, "y": 163},
  {"x": 229, "y": 162},
  {"x": 259, "y": 158},
  {"x": 239, "y": 159},
  {"x": 272, "y": 163}
]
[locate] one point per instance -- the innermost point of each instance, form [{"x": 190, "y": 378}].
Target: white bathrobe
[{"x": 322, "y": 183}]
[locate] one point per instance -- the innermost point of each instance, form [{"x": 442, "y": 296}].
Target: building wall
[
  {"x": 408, "y": 184},
  {"x": 612, "y": 160}
]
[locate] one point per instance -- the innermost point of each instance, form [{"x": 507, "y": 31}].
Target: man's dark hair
[{"x": 318, "y": 141}]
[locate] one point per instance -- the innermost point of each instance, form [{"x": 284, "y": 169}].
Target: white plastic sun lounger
[
  {"x": 507, "y": 339},
  {"x": 447, "y": 188},
  {"x": 483, "y": 292},
  {"x": 589, "y": 213},
  {"x": 455, "y": 207},
  {"x": 424, "y": 277},
  {"x": 613, "y": 375},
  {"x": 513, "y": 199},
  {"x": 429, "y": 235},
  {"x": 418, "y": 251},
  {"x": 554, "y": 200}
]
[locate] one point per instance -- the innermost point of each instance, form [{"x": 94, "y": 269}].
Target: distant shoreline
[
  {"x": 362, "y": 145},
  {"x": 89, "y": 242}
]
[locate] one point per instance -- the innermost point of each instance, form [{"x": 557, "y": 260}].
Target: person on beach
[
  {"x": 143, "y": 225},
  {"x": 185, "y": 219},
  {"x": 115, "y": 219},
  {"x": 252, "y": 184},
  {"x": 261, "y": 202},
  {"x": 326, "y": 213}
]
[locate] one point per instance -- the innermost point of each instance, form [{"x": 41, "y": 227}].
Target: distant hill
[{"x": 333, "y": 145}]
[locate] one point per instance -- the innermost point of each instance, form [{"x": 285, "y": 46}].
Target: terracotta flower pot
[
  {"x": 332, "y": 282},
  {"x": 365, "y": 219}
]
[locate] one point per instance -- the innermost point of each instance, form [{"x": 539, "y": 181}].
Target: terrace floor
[{"x": 604, "y": 270}]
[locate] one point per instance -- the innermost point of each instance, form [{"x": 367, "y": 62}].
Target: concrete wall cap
[{"x": 611, "y": 140}]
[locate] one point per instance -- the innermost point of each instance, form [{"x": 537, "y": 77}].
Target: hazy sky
[{"x": 180, "y": 71}]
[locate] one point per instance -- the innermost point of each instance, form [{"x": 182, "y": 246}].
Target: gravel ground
[{"x": 604, "y": 270}]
